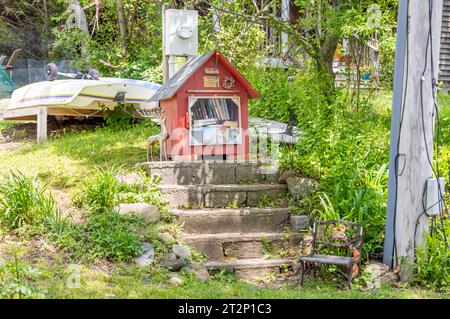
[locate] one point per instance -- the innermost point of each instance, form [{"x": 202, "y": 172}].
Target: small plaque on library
[
  {"x": 211, "y": 81},
  {"x": 211, "y": 71}
]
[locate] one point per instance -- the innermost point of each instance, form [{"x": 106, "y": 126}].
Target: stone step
[
  {"x": 251, "y": 268},
  {"x": 244, "y": 220},
  {"x": 211, "y": 173},
  {"x": 217, "y": 196},
  {"x": 238, "y": 245}
]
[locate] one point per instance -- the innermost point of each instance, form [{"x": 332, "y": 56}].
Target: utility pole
[{"x": 411, "y": 130}]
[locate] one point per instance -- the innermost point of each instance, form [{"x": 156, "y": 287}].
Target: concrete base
[
  {"x": 216, "y": 173},
  {"x": 216, "y": 196},
  {"x": 244, "y": 220},
  {"x": 236, "y": 245},
  {"x": 251, "y": 268}
]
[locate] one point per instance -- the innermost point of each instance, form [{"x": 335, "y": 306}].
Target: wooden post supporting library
[{"x": 412, "y": 130}]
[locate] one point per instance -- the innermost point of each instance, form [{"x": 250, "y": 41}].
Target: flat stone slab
[
  {"x": 216, "y": 196},
  {"x": 237, "y": 245},
  {"x": 210, "y": 172},
  {"x": 173, "y": 264},
  {"x": 130, "y": 179},
  {"x": 181, "y": 251},
  {"x": 147, "y": 256},
  {"x": 243, "y": 220},
  {"x": 250, "y": 268},
  {"x": 299, "y": 222},
  {"x": 147, "y": 211}
]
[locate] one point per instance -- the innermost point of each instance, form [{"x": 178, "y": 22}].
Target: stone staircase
[{"x": 223, "y": 209}]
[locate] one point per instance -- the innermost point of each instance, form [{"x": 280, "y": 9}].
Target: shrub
[
  {"x": 23, "y": 201},
  {"x": 17, "y": 280},
  {"x": 343, "y": 149},
  {"x": 360, "y": 198},
  {"x": 99, "y": 193},
  {"x": 106, "y": 233},
  {"x": 111, "y": 235},
  {"x": 432, "y": 264}
]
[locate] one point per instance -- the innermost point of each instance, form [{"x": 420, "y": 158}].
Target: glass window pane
[{"x": 215, "y": 121}]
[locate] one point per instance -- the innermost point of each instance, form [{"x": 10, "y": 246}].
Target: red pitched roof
[{"x": 170, "y": 88}]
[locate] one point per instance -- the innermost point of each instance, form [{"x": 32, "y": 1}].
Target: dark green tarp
[{"x": 6, "y": 84}]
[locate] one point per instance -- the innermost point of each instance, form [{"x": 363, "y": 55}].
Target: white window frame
[{"x": 193, "y": 99}]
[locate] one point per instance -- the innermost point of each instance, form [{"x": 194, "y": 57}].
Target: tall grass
[
  {"x": 433, "y": 259},
  {"x": 99, "y": 193},
  {"x": 24, "y": 201},
  {"x": 361, "y": 198}
]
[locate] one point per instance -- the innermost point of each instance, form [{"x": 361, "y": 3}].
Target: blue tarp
[{"x": 6, "y": 84}]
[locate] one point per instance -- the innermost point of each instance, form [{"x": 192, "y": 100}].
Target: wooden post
[
  {"x": 165, "y": 58},
  {"x": 415, "y": 135},
  {"x": 285, "y": 16},
  {"x": 42, "y": 125}
]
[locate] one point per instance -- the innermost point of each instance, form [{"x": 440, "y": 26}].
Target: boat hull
[{"x": 83, "y": 94}]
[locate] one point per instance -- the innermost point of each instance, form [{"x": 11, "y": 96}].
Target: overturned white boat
[
  {"x": 104, "y": 93},
  {"x": 83, "y": 95}
]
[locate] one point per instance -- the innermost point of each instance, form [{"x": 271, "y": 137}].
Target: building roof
[{"x": 171, "y": 87}]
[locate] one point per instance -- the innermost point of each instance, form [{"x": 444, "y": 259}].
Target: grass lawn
[{"x": 64, "y": 162}]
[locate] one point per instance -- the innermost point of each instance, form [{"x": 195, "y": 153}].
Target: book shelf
[{"x": 215, "y": 120}]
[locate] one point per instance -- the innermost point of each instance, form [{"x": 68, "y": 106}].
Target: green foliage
[
  {"x": 361, "y": 198},
  {"x": 106, "y": 233},
  {"x": 234, "y": 36},
  {"x": 23, "y": 201},
  {"x": 225, "y": 276},
  {"x": 110, "y": 235},
  {"x": 71, "y": 45},
  {"x": 432, "y": 264},
  {"x": 289, "y": 91},
  {"x": 343, "y": 149},
  {"x": 17, "y": 280},
  {"x": 143, "y": 37},
  {"x": 100, "y": 192}
]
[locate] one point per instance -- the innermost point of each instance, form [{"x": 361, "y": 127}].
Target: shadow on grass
[{"x": 106, "y": 146}]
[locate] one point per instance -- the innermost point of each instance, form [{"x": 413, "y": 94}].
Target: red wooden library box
[{"x": 206, "y": 109}]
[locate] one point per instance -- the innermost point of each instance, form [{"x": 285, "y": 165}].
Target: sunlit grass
[{"x": 67, "y": 160}]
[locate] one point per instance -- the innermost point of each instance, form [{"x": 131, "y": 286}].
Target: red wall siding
[{"x": 177, "y": 107}]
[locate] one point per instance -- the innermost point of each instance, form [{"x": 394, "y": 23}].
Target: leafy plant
[
  {"x": 17, "y": 279},
  {"x": 111, "y": 235},
  {"x": 23, "y": 201},
  {"x": 100, "y": 192},
  {"x": 432, "y": 263}
]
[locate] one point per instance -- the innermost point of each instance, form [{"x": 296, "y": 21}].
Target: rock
[
  {"x": 148, "y": 255},
  {"x": 130, "y": 179},
  {"x": 173, "y": 264},
  {"x": 378, "y": 268},
  {"x": 299, "y": 222},
  {"x": 166, "y": 238},
  {"x": 199, "y": 271},
  {"x": 181, "y": 251},
  {"x": 301, "y": 187},
  {"x": 147, "y": 211},
  {"x": 172, "y": 256},
  {"x": 389, "y": 278},
  {"x": 285, "y": 175},
  {"x": 175, "y": 281}
]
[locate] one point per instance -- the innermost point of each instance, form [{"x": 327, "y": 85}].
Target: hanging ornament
[{"x": 228, "y": 82}]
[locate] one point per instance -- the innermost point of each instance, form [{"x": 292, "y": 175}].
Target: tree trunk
[
  {"x": 122, "y": 26},
  {"x": 324, "y": 64}
]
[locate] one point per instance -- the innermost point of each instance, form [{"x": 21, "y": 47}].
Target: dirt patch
[
  {"x": 34, "y": 250},
  {"x": 64, "y": 202},
  {"x": 5, "y": 147}
]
